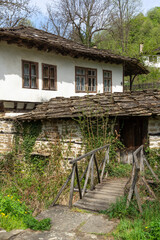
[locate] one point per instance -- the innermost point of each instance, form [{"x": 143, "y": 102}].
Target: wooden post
[
  {"x": 72, "y": 185},
  {"x": 96, "y": 164},
  {"x": 106, "y": 159},
  {"x": 61, "y": 190},
  {"x": 92, "y": 174},
  {"x": 87, "y": 175},
  {"x": 78, "y": 182},
  {"x": 150, "y": 191},
  {"x": 145, "y": 160},
  {"x": 141, "y": 161}
]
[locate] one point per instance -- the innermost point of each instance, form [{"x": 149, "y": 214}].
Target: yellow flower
[
  {"x": 146, "y": 227},
  {"x": 25, "y": 212},
  {"x": 8, "y": 195}
]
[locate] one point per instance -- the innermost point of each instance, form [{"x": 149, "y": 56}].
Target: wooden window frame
[
  {"x": 37, "y": 74},
  {"x": 86, "y": 79},
  {"x": 55, "y": 77},
  {"x": 108, "y": 78}
]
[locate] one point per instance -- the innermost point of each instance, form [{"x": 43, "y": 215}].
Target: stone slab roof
[
  {"x": 44, "y": 41},
  {"x": 140, "y": 103}
]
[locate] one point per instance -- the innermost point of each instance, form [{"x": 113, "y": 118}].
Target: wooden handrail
[
  {"x": 88, "y": 173},
  {"x": 88, "y": 154},
  {"x": 137, "y": 172}
]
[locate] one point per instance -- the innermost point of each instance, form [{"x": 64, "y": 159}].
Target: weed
[
  {"x": 118, "y": 170},
  {"x": 134, "y": 225},
  {"x": 15, "y": 214}
]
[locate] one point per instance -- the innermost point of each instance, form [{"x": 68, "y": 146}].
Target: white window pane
[
  {"x": 26, "y": 81},
  {"x": 26, "y": 69},
  {"x": 52, "y": 85},
  {"x": 45, "y": 72},
  {"x": 52, "y": 72},
  {"x": 33, "y": 82},
  {"x": 33, "y": 70},
  {"x": 109, "y": 85}
]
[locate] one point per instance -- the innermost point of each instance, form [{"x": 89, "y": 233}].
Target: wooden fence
[
  {"x": 142, "y": 86},
  {"x": 88, "y": 174},
  {"x": 138, "y": 172}
]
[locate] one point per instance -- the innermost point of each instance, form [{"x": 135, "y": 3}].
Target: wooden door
[{"x": 133, "y": 131}]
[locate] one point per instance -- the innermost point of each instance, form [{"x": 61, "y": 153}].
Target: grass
[
  {"x": 133, "y": 225},
  {"x": 119, "y": 170},
  {"x": 14, "y": 214}
]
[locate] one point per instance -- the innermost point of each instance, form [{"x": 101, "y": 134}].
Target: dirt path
[{"x": 67, "y": 225}]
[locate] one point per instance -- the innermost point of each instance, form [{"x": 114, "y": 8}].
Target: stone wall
[
  {"x": 6, "y": 135},
  {"x": 154, "y": 132},
  {"x": 65, "y": 132}
]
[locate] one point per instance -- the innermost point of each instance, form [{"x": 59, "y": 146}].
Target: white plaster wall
[
  {"x": 11, "y": 57},
  {"x": 152, "y": 64},
  {"x": 154, "y": 132}
]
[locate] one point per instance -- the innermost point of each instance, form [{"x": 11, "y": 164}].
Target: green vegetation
[
  {"x": 30, "y": 178},
  {"x": 14, "y": 214},
  {"x": 119, "y": 170},
  {"x": 134, "y": 225},
  {"x": 140, "y": 29}
]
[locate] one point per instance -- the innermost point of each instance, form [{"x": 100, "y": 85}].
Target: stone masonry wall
[
  {"x": 6, "y": 135},
  {"x": 154, "y": 132},
  {"x": 67, "y": 132}
]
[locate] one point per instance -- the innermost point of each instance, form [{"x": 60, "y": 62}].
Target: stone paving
[{"x": 67, "y": 225}]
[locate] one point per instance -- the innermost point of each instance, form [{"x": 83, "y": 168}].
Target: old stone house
[{"x": 137, "y": 116}]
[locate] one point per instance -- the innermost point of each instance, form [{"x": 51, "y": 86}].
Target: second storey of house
[{"x": 32, "y": 75}]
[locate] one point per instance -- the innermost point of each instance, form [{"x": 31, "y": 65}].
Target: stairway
[{"x": 103, "y": 195}]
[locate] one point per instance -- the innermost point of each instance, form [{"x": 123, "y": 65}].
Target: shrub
[{"x": 15, "y": 214}]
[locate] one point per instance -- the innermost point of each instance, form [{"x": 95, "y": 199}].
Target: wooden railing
[
  {"x": 138, "y": 172},
  {"x": 142, "y": 86},
  {"x": 90, "y": 178}
]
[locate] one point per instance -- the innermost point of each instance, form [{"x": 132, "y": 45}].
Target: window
[
  {"x": 107, "y": 81},
  {"x": 86, "y": 79},
  {"x": 49, "y": 73},
  {"x": 30, "y": 74}
]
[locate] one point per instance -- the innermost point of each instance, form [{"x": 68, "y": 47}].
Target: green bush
[{"x": 15, "y": 214}]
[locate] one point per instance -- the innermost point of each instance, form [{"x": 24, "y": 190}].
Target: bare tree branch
[
  {"x": 14, "y": 12},
  {"x": 79, "y": 19}
]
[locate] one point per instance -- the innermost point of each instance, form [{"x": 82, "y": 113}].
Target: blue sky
[{"x": 147, "y": 4}]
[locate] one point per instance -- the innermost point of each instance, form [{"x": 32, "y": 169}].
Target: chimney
[{"x": 141, "y": 47}]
